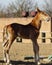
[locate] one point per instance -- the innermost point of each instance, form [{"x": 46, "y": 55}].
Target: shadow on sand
[{"x": 23, "y": 63}]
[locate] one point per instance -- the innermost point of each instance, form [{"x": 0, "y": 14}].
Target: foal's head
[
  {"x": 43, "y": 16},
  {"x": 40, "y": 16}
]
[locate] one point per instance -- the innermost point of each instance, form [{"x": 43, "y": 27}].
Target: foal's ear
[{"x": 38, "y": 10}]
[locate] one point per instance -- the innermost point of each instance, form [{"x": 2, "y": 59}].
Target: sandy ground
[{"x": 22, "y": 53}]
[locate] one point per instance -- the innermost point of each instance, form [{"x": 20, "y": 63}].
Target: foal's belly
[
  {"x": 28, "y": 33},
  {"x": 25, "y": 33}
]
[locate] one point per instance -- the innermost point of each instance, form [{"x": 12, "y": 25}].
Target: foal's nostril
[{"x": 48, "y": 19}]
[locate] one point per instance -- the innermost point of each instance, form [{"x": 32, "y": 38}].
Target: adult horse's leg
[{"x": 36, "y": 50}]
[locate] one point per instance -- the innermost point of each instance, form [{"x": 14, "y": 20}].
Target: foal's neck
[{"x": 36, "y": 22}]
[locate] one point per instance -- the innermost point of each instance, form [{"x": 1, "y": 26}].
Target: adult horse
[{"x": 30, "y": 31}]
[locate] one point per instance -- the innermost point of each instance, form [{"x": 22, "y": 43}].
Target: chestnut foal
[{"x": 30, "y": 31}]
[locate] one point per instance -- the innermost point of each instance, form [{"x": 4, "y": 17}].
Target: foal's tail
[{"x": 5, "y": 36}]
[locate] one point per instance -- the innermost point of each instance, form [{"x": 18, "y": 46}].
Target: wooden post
[{"x": 51, "y": 29}]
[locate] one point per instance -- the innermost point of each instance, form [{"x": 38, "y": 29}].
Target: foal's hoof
[
  {"x": 37, "y": 63},
  {"x": 5, "y": 60},
  {"x": 8, "y": 64}
]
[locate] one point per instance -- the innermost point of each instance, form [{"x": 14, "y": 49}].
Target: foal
[{"x": 30, "y": 31}]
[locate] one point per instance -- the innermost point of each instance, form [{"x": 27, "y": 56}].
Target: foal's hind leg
[
  {"x": 8, "y": 39},
  {"x": 7, "y": 48},
  {"x": 5, "y": 51},
  {"x": 4, "y": 55}
]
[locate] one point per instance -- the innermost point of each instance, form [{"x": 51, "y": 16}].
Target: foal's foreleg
[{"x": 36, "y": 51}]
